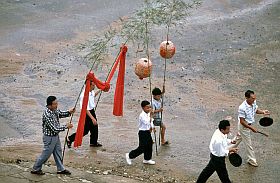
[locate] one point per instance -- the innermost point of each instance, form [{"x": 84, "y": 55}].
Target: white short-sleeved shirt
[
  {"x": 91, "y": 102},
  {"x": 219, "y": 144},
  {"x": 247, "y": 112},
  {"x": 145, "y": 121}
]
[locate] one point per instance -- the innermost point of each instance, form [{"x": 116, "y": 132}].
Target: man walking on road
[
  {"x": 219, "y": 150},
  {"x": 51, "y": 129},
  {"x": 246, "y": 118}
]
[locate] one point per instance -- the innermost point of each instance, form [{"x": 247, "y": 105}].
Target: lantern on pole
[
  {"x": 143, "y": 68},
  {"x": 167, "y": 49}
]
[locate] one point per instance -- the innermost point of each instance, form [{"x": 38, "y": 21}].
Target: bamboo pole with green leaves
[{"x": 134, "y": 29}]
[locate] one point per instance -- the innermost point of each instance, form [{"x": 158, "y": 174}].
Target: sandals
[{"x": 165, "y": 143}]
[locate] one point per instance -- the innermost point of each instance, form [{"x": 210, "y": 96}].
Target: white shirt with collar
[
  {"x": 219, "y": 144},
  {"x": 247, "y": 112},
  {"x": 145, "y": 122},
  {"x": 91, "y": 102}
]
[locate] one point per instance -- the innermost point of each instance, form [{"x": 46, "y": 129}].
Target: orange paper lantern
[
  {"x": 143, "y": 68},
  {"x": 167, "y": 49}
]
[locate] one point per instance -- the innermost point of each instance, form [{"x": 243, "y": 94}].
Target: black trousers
[
  {"x": 145, "y": 146},
  {"x": 89, "y": 126},
  {"x": 215, "y": 164}
]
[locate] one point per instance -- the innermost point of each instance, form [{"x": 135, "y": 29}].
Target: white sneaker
[
  {"x": 128, "y": 160},
  {"x": 255, "y": 164},
  {"x": 150, "y": 162}
]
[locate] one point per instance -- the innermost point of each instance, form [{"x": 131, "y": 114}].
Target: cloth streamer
[{"x": 104, "y": 86}]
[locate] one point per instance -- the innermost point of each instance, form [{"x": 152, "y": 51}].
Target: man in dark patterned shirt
[{"x": 51, "y": 129}]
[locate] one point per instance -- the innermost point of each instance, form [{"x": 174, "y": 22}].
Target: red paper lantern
[
  {"x": 143, "y": 68},
  {"x": 167, "y": 49}
]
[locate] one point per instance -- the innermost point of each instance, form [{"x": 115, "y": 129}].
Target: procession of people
[
  {"x": 150, "y": 117},
  {"x": 220, "y": 146}
]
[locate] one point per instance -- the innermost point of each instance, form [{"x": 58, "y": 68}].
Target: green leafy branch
[{"x": 134, "y": 29}]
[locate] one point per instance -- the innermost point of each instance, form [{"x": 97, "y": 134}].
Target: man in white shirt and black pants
[
  {"x": 219, "y": 150},
  {"x": 91, "y": 124},
  {"x": 144, "y": 134}
]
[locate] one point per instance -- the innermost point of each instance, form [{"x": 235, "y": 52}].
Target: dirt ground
[{"x": 223, "y": 49}]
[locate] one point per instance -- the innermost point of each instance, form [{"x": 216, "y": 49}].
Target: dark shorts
[{"x": 157, "y": 121}]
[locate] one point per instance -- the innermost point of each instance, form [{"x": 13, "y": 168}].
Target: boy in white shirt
[{"x": 145, "y": 139}]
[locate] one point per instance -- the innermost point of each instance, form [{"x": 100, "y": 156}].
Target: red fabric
[
  {"x": 102, "y": 86},
  {"x": 118, "y": 98},
  {"x": 81, "y": 124},
  {"x": 119, "y": 92}
]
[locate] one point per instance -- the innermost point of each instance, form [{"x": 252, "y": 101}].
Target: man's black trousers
[
  {"x": 215, "y": 164},
  {"x": 89, "y": 126}
]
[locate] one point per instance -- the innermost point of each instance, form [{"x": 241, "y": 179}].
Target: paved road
[{"x": 17, "y": 173}]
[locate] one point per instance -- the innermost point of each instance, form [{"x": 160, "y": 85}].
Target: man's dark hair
[
  {"x": 223, "y": 124},
  {"x": 156, "y": 91},
  {"x": 144, "y": 103},
  {"x": 248, "y": 93},
  {"x": 50, "y": 99}
]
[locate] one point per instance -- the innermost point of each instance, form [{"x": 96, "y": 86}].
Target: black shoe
[
  {"x": 38, "y": 172},
  {"x": 68, "y": 142},
  {"x": 96, "y": 145},
  {"x": 65, "y": 172}
]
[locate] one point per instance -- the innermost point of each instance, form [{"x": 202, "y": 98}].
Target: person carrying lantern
[
  {"x": 158, "y": 108},
  {"x": 144, "y": 134}
]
